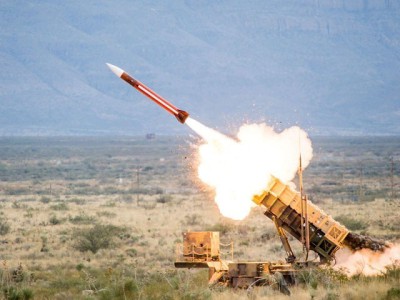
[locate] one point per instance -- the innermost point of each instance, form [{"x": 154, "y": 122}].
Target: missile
[{"x": 181, "y": 115}]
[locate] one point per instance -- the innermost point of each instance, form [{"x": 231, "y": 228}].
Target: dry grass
[{"x": 42, "y": 214}]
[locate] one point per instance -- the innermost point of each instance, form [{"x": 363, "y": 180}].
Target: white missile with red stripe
[{"x": 181, "y": 115}]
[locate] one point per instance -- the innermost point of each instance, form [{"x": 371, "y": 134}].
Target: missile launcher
[{"x": 284, "y": 208}]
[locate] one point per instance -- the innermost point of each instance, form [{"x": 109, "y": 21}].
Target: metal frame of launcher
[
  {"x": 292, "y": 213},
  {"x": 204, "y": 250},
  {"x": 303, "y": 220}
]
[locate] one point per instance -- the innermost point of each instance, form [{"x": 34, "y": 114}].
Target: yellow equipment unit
[
  {"x": 200, "y": 246},
  {"x": 284, "y": 208},
  {"x": 202, "y": 250}
]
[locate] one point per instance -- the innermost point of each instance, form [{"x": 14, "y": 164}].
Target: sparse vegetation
[{"x": 70, "y": 216}]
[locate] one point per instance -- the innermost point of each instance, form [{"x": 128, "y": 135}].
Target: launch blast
[{"x": 181, "y": 115}]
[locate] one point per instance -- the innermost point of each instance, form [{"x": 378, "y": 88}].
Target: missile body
[{"x": 181, "y": 115}]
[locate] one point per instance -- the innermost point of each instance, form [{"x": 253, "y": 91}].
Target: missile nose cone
[{"x": 117, "y": 71}]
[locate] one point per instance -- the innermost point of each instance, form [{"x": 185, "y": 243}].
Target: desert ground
[{"x": 100, "y": 218}]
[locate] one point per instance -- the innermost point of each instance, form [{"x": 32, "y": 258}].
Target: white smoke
[
  {"x": 366, "y": 261},
  {"x": 239, "y": 169}
]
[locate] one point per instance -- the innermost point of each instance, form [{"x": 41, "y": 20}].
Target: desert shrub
[
  {"x": 17, "y": 191},
  {"x": 54, "y": 220},
  {"x": 82, "y": 218},
  {"x": 96, "y": 237},
  {"x": 123, "y": 289},
  {"x": 80, "y": 266},
  {"x": 29, "y": 213},
  {"x": 164, "y": 199},
  {"x": 16, "y": 205},
  {"x": 309, "y": 278},
  {"x": 59, "y": 206},
  {"x": 171, "y": 285},
  {"x": 63, "y": 239},
  {"x": 29, "y": 199},
  {"x": 193, "y": 219},
  {"x": 66, "y": 282},
  {"x": 13, "y": 293},
  {"x": 110, "y": 190},
  {"x": 78, "y": 201},
  {"x": 393, "y": 293},
  {"x": 44, "y": 247},
  {"x": 110, "y": 203},
  {"x": 127, "y": 198},
  {"x": 244, "y": 243},
  {"x": 132, "y": 252},
  {"x": 45, "y": 200},
  {"x": 134, "y": 239},
  {"x": 146, "y": 191},
  {"x": 327, "y": 277},
  {"x": 266, "y": 236},
  {"x": 146, "y": 169},
  {"x": 148, "y": 205},
  {"x": 351, "y": 224},
  {"x": 223, "y": 228},
  {"x": 4, "y": 227},
  {"x": 106, "y": 214},
  {"x": 393, "y": 272}
]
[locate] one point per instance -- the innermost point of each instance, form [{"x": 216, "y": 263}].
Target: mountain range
[{"x": 330, "y": 66}]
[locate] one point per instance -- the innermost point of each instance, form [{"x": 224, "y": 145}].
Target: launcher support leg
[{"x": 285, "y": 242}]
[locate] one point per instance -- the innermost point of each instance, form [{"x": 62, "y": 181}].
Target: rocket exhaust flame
[{"x": 239, "y": 169}]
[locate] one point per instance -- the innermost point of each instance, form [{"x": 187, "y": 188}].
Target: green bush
[
  {"x": 4, "y": 227},
  {"x": 54, "y": 220},
  {"x": 45, "y": 199},
  {"x": 132, "y": 252},
  {"x": 12, "y": 293},
  {"x": 393, "y": 293},
  {"x": 164, "y": 199},
  {"x": 97, "y": 237}
]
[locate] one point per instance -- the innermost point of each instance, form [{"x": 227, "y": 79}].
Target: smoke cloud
[
  {"x": 366, "y": 261},
  {"x": 240, "y": 168}
]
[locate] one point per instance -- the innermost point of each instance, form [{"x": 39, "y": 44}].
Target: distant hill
[{"x": 332, "y": 66}]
